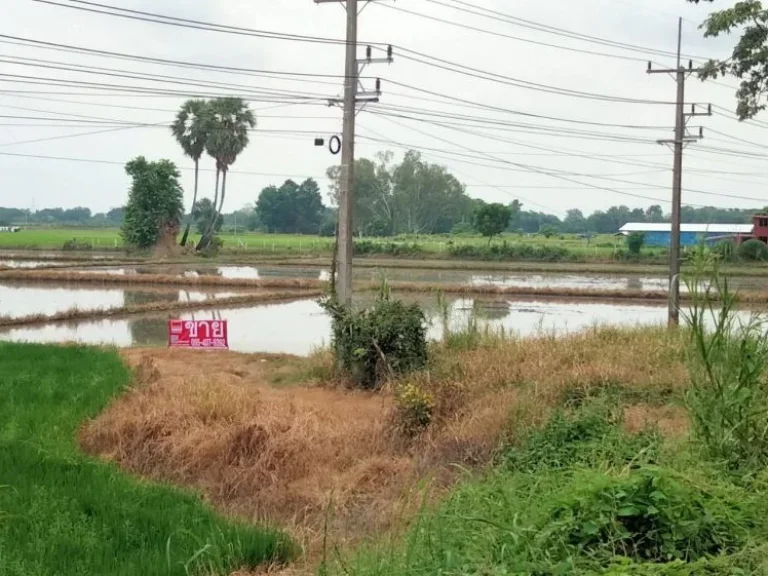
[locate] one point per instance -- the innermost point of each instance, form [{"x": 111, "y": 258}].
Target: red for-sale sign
[{"x": 208, "y": 334}]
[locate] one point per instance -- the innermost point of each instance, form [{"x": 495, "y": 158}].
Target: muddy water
[
  {"x": 436, "y": 277},
  {"x": 300, "y": 327},
  {"x": 17, "y": 301}
]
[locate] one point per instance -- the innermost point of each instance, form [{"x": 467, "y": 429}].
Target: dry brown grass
[
  {"x": 213, "y": 422},
  {"x": 76, "y": 314}
]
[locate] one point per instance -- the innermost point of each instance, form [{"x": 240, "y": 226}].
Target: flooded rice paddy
[
  {"x": 575, "y": 281},
  {"x": 302, "y": 326}
]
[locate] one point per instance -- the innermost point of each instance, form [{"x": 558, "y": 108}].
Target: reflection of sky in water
[
  {"x": 25, "y": 263},
  {"x": 300, "y": 327},
  {"x": 18, "y": 301},
  {"x": 470, "y": 277}
]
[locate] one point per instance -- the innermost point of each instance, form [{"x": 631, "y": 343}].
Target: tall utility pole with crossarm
[
  {"x": 353, "y": 94},
  {"x": 682, "y": 137}
]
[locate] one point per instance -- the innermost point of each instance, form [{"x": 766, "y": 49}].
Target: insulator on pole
[
  {"x": 368, "y": 53},
  {"x": 378, "y": 85},
  {"x": 389, "y": 52}
]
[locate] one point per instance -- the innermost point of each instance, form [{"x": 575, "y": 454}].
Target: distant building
[{"x": 692, "y": 234}]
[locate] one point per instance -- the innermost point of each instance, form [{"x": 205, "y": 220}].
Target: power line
[
  {"x": 185, "y": 168},
  {"x": 414, "y": 55},
  {"x": 470, "y": 8},
  {"x": 108, "y": 10},
  {"x": 509, "y": 36},
  {"x": 44, "y": 45},
  {"x": 472, "y": 72}
]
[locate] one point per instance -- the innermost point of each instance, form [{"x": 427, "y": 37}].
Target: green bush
[
  {"x": 463, "y": 229},
  {"x": 374, "y": 343},
  {"x": 75, "y": 244},
  {"x": 753, "y": 250},
  {"x": 373, "y": 247},
  {"x": 513, "y": 251},
  {"x": 635, "y": 242}
]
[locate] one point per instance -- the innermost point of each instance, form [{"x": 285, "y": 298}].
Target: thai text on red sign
[{"x": 208, "y": 334}]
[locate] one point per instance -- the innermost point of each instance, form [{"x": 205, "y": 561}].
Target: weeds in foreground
[
  {"x": 728, "y": 396},
  {"x": 583, "y": 497}
]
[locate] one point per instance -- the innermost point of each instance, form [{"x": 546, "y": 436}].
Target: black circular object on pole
[{"x": 334, "y": 145}]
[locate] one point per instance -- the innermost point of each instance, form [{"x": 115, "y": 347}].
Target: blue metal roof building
[{"x": 690, "y": 234}]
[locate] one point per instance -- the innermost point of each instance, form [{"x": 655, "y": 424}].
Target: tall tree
[
  {"x": 228, "y": 137},
  {"x": 749, "y": 60},
  {"x": 427, "y": 198},
  {"x": 155, "y": 202},
  {"x": 191, "y": 129}
]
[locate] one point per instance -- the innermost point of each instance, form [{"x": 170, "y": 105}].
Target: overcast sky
[{"x": 497, "y": 165}]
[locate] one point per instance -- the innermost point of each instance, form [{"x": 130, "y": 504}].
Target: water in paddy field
[
  {"x": 17, "y": 301},
  {"x": 300, "y": 327},
  {"x": 576, "y": 281}
]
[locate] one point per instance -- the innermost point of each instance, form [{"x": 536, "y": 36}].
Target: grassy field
[
  {"x": 62, "y": 512},
  {"x": 109, "y": 238}
]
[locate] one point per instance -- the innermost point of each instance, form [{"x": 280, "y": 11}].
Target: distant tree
[
  {"x": 231, "y": 119},
  {"x": 191, "y": 130},
  {"x": 574, "y": 222},
  {"x": 292, "y": 208},
  {"x": 155, "y": 202},
  {"x": 654, "y": 214},
  {"x": 635, "y": 242},
  {"x": 492, "y": 219},
  {"x": 78, "y": 215},
  {"x": 116, "y": 215},
  {"x": 202, "y": 213},
  {"x": 516, "y": 209}
]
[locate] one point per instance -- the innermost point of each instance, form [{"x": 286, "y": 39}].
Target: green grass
[{"x": 62, "y": 512}]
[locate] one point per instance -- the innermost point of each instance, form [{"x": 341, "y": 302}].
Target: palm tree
[
  {"x": 228, "y": 137},
  {"x": 191, "y": 129}
]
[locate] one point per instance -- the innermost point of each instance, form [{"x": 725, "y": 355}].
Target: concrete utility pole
[
  {"x": 681, "y": 139},
  {"x": 353, "y": 94}
]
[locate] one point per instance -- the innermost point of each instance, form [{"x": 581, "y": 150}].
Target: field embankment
[{"x": 62, "y": 512}]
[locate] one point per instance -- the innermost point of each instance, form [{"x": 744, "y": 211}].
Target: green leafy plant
[
  {"x": 649, "y": 516},
  {"x": 728, "y": 397},
  {"x": 375, "y": 343},
  {"x": 591, "y": 435},
  {"x": 413, "y": 409}
]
